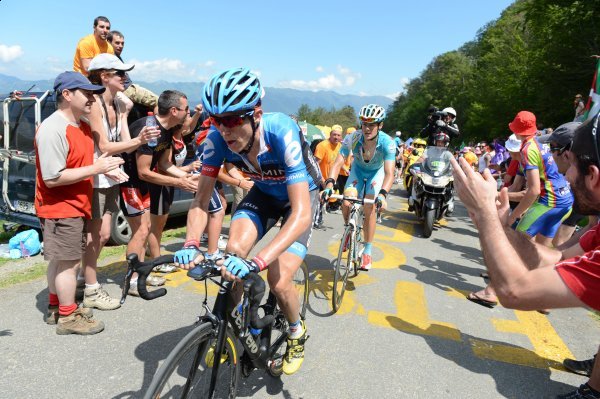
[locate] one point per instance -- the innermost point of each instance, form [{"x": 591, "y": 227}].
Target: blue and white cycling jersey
[
  {"x": 385, "y": 150},
  {"x": 281, "y": 159}
]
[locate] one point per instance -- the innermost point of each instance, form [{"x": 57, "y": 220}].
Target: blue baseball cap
[{"x": 70, "y": 80}]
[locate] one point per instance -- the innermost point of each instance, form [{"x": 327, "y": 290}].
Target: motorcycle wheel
[{"x": 428, "y": 220}]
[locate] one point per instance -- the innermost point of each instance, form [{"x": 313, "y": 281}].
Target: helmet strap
[{"x": 246, "y": 150}]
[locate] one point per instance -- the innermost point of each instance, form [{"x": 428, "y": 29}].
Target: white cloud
[
  {"x": 393, "y": 96},
  {"x": 404, "y": 81},
  {"x": 10, "y": 53},
  {"x": 319, "y": 69},
  {"x": 345, "y": 78},
  {"x": 162, "y": 69},
  {"x": 209, "y": 63},
  {"x": 256, "y": 72}
]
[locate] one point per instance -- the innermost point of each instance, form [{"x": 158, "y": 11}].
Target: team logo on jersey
[
  {"x": 209, "y": 148},
  {"x": 293, "y": 151}
]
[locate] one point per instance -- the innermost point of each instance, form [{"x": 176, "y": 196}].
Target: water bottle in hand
[{"x": 151, "y": 122}]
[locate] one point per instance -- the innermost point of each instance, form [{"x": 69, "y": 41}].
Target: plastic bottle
[{"x": 151, "y": 122}]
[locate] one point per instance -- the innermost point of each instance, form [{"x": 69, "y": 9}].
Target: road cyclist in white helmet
[
  {"x": 374, "y": 160},
  {"x": 269, "y": 149}
]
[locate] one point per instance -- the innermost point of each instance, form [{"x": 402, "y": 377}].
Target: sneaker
[
  {"x": 582, "y": 367},
  {"x": 222, "y": 243},
  {"x": 79, "y": 323},
  {"x": 210, "y": 357},
  {"x": 294, "y": 353},
  {"x": 100, "y": 299},
  {"x": 51, "y": 315},
  {"x": 346, "y": 242},
  {"x": 79, "y": 290},
  {"x": 365, "y": 263},
  {"x": 166, "y": 268},
  {"x": 155, "y": 281},
  {"x": 583, "y": 392},
  {"x": 204, "y": 238},
  {"x": 214, "y": 257},
  {"x": 133, "y": 290}
]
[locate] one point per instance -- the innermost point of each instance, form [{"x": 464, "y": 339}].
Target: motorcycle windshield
[{"x": 437, "y": 162}]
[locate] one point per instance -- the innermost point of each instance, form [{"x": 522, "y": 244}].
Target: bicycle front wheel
[
  {"x": 343, "y": 265},
  {"x": 179, "y": 378}
]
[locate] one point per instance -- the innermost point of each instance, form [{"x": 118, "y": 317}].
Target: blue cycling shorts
[{"x": 373, "y": 182}]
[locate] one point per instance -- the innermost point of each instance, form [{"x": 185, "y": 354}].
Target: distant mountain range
[{"x": 282, "y": 100}]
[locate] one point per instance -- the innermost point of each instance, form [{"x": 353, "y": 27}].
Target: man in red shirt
[
  {"x": 64, "y": 150},
  {"x": 570, "y": 281}
]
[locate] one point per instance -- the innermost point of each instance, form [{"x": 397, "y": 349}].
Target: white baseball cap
[
  {"x": 513, "y": 144},
  {"x": 108, "y": 61}
]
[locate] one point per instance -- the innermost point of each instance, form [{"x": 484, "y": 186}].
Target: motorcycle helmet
[
  {"x": 450, "y": 111},
  {"x": 398, "y": 133},
  {"x": 419, "y": 142},
  {"x": 372, "y": 113},
  {"x": 234, "y": 90},
  {"x": 441, "y": 136}
]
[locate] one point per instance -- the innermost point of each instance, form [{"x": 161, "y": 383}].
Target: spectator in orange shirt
[
  {"x": 326, "y": 153},
  {"x": 92, "y": 45}
]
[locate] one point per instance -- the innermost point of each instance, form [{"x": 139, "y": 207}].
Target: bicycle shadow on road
[
  {"x": 443, "y": 275},
  {"x": 512, "y": 380},
  {"x": 469, "y": 253},
  {"x": 320, "y": 272}
]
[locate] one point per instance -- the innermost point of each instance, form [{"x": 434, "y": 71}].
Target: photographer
[{"x": 440, "y": 121}]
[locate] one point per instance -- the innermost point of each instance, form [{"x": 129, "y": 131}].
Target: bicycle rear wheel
[
  {"x": 170, "y": 379},
  {"x": 343, "y": 266}
]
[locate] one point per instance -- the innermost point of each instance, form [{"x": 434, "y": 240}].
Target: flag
[{"x": 593, "y": 103}]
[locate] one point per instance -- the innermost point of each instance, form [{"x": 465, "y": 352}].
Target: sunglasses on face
[
  {"x": 560, "y": 150},
  {"x": 120, "y": 74},
  {"x": 229, "y": 121},
  {"x": 367, "y": 120}
]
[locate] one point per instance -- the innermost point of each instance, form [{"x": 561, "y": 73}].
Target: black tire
[
  {"x": 170, "y": 379},
  {"x": 428, "y": 220},
  {"x": 120, "y": 232},
  {"x": 342, "y": 269},
  {"x": 281, "y": 325}
]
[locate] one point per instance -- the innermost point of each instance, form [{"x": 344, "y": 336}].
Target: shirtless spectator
[
  {"x": 63, "y": 197},
  {"x": 134, "y": 92},
  {"x": 92, "y": 45},
  {"x": 153, "y": 165}
]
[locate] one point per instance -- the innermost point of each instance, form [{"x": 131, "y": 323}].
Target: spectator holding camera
[{"x": 440, "y": 121}]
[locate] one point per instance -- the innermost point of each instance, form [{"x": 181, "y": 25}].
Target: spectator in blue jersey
[
  {"x": 372, "y": 170},
  {"x": 268, "y": 148}
]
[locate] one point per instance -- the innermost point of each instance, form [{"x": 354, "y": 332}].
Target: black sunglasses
[{"x": 561, "y": 150}]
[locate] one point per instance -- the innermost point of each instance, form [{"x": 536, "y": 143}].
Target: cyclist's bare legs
[
  {"x": 346, "y": 211},
  {"x": 370, "y": 220},
  {"x": 280, "y": 277}
]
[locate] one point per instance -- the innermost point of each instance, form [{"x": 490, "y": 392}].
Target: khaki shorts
[
  {"x": 140, "y": 95},
  {"x": 105, "y": 200},
  {"x": 64, "y": 239}
]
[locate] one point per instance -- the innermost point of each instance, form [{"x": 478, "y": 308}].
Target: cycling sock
[
  {"x": 93, "y": 286},
  {"x": 296, "y": 329},
  {"x": 52, "y": 299},
  {"x": 367, "y": 248},
  {"x": 65, "y": 310}
]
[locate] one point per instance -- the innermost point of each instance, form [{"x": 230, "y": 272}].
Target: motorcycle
[{"x": 433, "y": 187}]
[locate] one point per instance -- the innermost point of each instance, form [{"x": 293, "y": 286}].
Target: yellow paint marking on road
[
  {"x": 454, "y": 293},
  {"x": 177, "y": 278},
  {"x": 323, "y": 283},
  {"x": 412, "y": 315},
  {"x": 548, "y": 348},
  {"x": 403, "y": 232},
  {"x": 198, "y": 287},
  {"x": 393, "y": 257},
  {"x": 361, "y": 310}
]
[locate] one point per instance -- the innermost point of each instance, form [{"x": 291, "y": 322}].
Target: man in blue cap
[{"x": 64, "y": 150}]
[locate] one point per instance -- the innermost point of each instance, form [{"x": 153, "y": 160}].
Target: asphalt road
[{"x": 405, "y": 330}]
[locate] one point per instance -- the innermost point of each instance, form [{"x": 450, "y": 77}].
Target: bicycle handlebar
[
  {"x": 143, "y": 269},
  {"x": 254, "y": 290},
  {"x": 353, "y": 199}
]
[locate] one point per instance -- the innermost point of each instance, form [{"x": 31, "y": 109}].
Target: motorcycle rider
[
  {"x": 441, "y": 140},
  {"x": 441, "y": 121}
]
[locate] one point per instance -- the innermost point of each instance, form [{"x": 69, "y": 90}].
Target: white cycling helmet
[
  {"x": 372, "y": 113},
  {"x": 398, "y": 133},
  {"x": 451, "y": 111}
]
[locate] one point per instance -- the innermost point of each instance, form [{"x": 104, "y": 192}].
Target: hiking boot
[
  {"x": 582, "y": 367},
  {"x": 98, "y": 298},
  {"x": 294, "y": 353},
  {"x": 365, "y": 263},
  {"x": 166, "y": 268},
  {"x": 51, "y": 315},
  {"x": 583, "y": 392},
  {"x": 210, "y": 356},
  {"x": 79, "y": 323},
  {"x": 155, "y": 281}
]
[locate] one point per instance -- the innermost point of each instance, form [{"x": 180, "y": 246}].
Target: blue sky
[{"x": 351, "y": 47}]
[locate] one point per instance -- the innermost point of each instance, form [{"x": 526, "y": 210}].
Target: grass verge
[{"x": 32, "y": 273}]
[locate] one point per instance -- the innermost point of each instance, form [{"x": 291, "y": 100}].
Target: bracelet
[
  {"x": 329, "y": 180},
  {"x": 383, "y": 192},
  {"x": 191, "y": 243},
  {"x": 262, "y": 265},
  {"x": 239, "y": 182}
]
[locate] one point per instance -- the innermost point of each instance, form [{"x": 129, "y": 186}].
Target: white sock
[{"x": 93, "y": 286}]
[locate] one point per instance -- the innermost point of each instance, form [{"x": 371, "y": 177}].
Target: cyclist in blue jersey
[
  {"x": 374, "y": 160},
  {"x": 268, "y": 148}
]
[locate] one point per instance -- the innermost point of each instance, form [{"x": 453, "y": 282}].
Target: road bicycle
[
  {"x": 244, "y": 340},
  {"x": 352, "y": 236}
]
